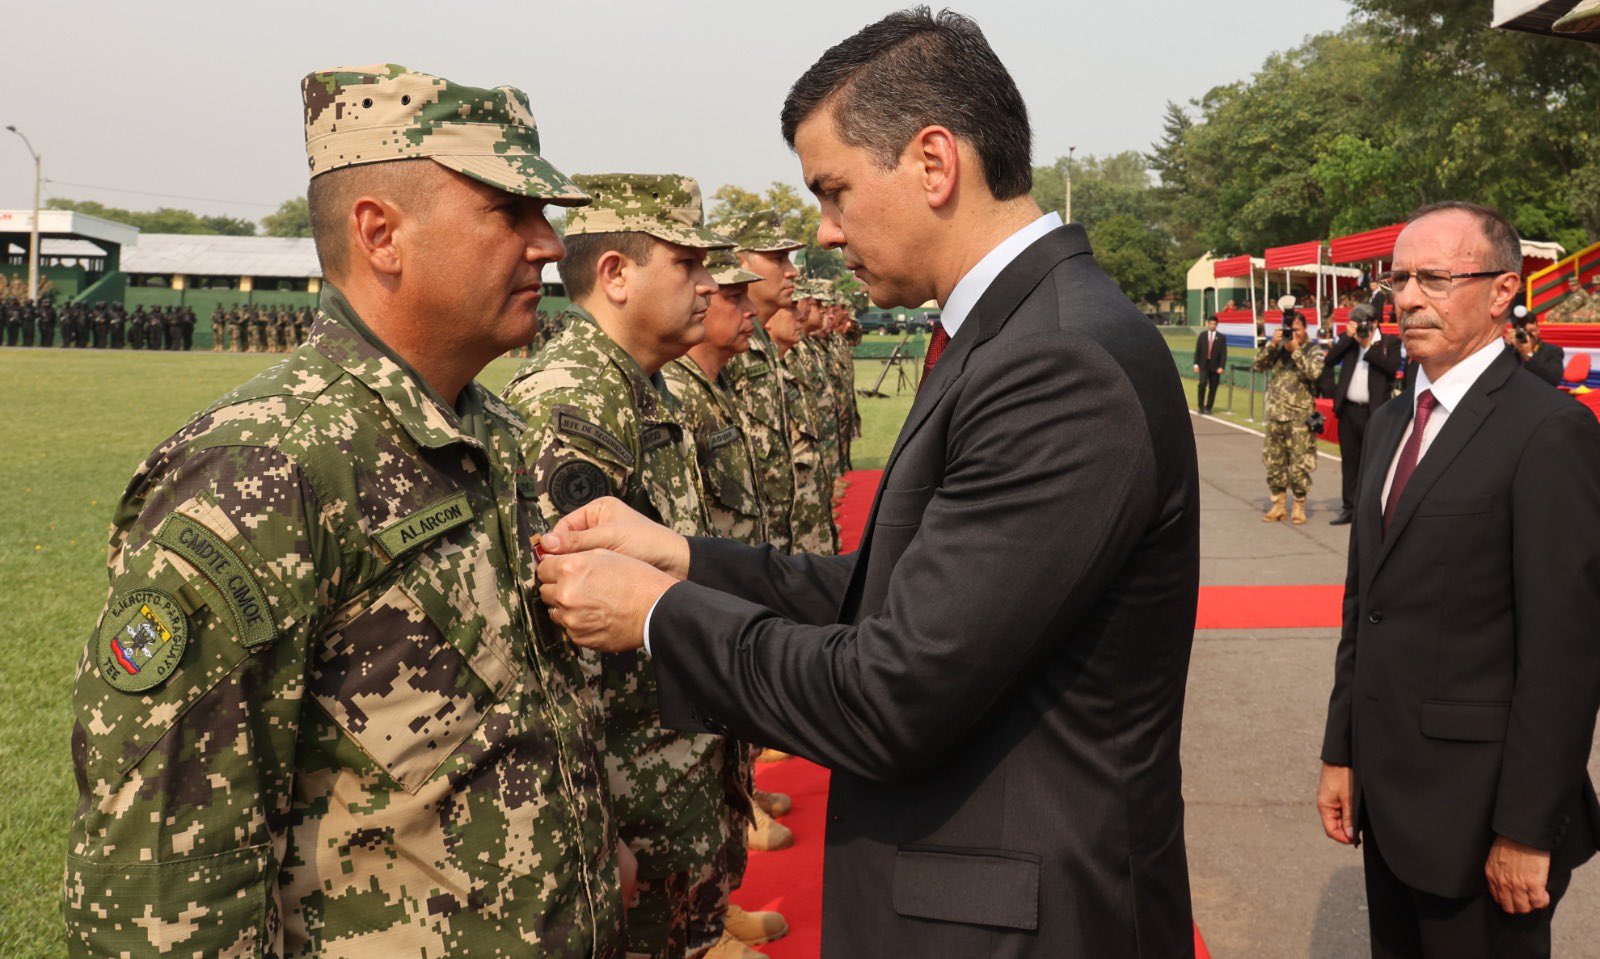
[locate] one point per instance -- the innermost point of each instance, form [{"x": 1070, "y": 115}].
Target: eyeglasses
[{"x": 1433, "y": 282}]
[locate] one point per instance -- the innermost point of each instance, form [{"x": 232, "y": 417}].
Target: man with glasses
[{"x": 1467, "y": 679}]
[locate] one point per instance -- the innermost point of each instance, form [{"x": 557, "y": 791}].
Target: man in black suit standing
[
  {"x": 996, "y": 676},
  {"x": 1468, "y": 676},
  {"x": 1210, "y": 356},
  {"x": 1367, "y": 361}
]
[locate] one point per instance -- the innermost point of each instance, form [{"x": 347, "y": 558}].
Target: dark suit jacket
[
  {"x": 1383, "y": 360},
  {"x": 1468, "y": 672},
  {"x": 997, "y": 676},
  {"x": 1218, "y": 358}
]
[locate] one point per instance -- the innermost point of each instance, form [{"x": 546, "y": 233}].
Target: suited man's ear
[{"x": 939, "y": 158}]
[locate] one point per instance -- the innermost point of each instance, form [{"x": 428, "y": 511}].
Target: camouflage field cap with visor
[
  {"x": 662, "y": 205},
  {"x": 759, "y": 232},
  {"x": 725, "y": 269},
  {"x": 382, "y": 112}
]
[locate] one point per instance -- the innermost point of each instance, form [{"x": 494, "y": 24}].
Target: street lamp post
[
  {"x": 1070, "y": 152},
  {"x": 33, "y": 237}
]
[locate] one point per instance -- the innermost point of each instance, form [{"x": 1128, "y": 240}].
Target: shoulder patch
[
  {"x": 425, "y": 524},
  {"x": 217, "y": 562},
  {"x": 722, "y": 438},
  {"x": 567, "y": 421},
  {"x": 656, "y": 437},
  {"x": 575, "y": 483},
  {"x": 141, "y": 639}
]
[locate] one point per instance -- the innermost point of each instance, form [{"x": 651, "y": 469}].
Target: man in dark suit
[
  {"x": 1367, "y": 361},
  {"x": 996, "y": 677},
  {"x": 1467, "y": 677},
  {"x": 1210, "y": 356}
]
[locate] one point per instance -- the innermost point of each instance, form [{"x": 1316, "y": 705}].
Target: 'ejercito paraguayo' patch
[
  {"x": 425, "y": 524},
  {"x": 141, "y": 639}
]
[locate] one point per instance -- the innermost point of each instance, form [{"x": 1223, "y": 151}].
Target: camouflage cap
[
  {"x": 805, "y": 288},
  {"x": 662, "y": 205},
  {"x": 759, "y": 232},
  {"x": 381, "y": 112},
  {"x": 725, "y": 268}
]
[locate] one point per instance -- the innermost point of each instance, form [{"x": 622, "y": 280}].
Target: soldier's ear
[
  {"x": 613, "y": 275},
  {"x": 373, "y": 235}
]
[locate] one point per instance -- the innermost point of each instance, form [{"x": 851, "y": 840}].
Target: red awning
[
  {"x": 1233, "y": 266},
  {"x": 1300, "y": 254},
  {"x": 1360, "y": 247}
]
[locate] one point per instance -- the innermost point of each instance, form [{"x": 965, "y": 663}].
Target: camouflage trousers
[
  {"x": 1290, "y": 455},
  {"x": 658, "y": 925},
  {"x": 811, "y": 520}
]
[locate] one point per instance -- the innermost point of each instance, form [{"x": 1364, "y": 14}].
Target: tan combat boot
[
  {"x": 729, "y": 947},
  {"x": 777, "y": 805},
  {"x": 766, "y": 834},
  {"x": 1275, "y": 514},
  {"x": 755, "y": 928},
  {"x": 1299, "y": 517}
]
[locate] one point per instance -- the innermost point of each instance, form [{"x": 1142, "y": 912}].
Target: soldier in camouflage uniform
[
  {"x": 728, "y": 474},
  {"x": 822, "y": 375},
  {"x": 1572, "y": 308},
  {"x": 1290, "y": 450},
  {"x": 219, "y": 325},
  {"x": 323, "y": 712},
  {"x": 812, "y": 524},
  {"x": 753, "y": 377},
  {"x": 602, "y": 422}
]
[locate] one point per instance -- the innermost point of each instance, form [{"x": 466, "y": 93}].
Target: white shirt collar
[
  {"x": 1453, "y": 385},
  {"x": 970, "y": 288}
]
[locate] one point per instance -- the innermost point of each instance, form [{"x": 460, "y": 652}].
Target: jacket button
[{"x": 1375, "y": 617}]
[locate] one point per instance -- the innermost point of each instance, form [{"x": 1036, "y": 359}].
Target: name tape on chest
[
  {"x": 757, "y": 369},
  {"x": 656, "y": 437},
  {"x": 424, "y": 525},
  {"x": 573, "y": 425},
  {"x": 219, "y": 563},
  {"x": 723, "y": 438}
]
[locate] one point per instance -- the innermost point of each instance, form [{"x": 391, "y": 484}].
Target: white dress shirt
[
  {"x": 968, "y": 291},
  {"x": 1360, "y": 390},
  {"x": 1448, "y": 394}
]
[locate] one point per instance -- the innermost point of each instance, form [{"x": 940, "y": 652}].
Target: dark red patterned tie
[
  {"x": 936, "y": 346},
  {"x": 1409, "y": 455}
]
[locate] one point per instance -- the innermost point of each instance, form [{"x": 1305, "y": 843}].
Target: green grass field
[{"x": 76, "y": 425}]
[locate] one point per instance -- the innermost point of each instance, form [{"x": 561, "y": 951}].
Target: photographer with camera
[
  {"x": 1366, "y": 361},
  {"x": 1292, "y": 363},
  {"x": 1544, "y": 360}
]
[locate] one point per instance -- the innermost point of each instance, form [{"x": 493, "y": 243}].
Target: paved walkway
[{"x": 1267, "y": 883}]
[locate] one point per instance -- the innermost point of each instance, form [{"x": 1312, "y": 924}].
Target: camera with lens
[
  {"x": 1364, "y": 317},
  {"x": 1519, "y": 323}
]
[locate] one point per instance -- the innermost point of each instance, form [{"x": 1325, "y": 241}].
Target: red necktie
[
  {"x": 936, "y": 346},
  {"x": 1409, "y": 455}
]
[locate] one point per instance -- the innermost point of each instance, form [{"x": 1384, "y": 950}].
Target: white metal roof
[
  {"x": 196, "y": 255},
  {"x": 68, "y": 223}
]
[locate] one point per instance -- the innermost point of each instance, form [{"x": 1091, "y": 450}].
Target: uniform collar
[
  {"x": 341, "y": 336},
  {"x": 650, "y": 394}
]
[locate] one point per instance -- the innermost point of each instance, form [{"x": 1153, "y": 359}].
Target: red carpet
[
  {"x": 790, "y": 881},
  {"x": 1270, "y": 607}
]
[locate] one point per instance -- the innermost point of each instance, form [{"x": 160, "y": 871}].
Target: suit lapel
[
  {"x": 1369, "y": 512},
  {"x": 988, "y": 315},
  {"x": 1453, "y": 437}
]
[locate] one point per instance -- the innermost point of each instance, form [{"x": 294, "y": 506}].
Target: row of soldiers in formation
[
  {"x": 252, "y": 329},
  {"x": 1582, "y": 303},
  {"x": 97, "y": 326}
]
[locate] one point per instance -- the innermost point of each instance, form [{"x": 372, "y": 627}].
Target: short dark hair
[
  {"x": 584, "y": 251},
  {"x": 330, "y": 195},
  {"x": 913, "y": 70},
  {"x": 1505, "y": 246}
]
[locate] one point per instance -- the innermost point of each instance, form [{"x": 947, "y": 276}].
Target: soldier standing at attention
[
  {"x": 47, "y": 327},
  {"x": 753, "y": 377},
  {"x": 811, "y": 518},
  {"x": 30, "y": 322},
  {"x": 219, "y": 324},
  {"x": 324, "y": 713},
  {"x": 601, "y": 422},
  {"x": 13, "y": 326},
  {"x": 1293, "y": 365},
  {"x": 728, "y": 475},
  {"x": 118, "y": 326}
]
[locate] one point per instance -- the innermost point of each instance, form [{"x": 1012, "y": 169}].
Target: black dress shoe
[{"x": 1343, "y": 519}]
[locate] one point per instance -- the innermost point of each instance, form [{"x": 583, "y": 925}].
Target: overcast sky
[{"x": 197, "y": 104}]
